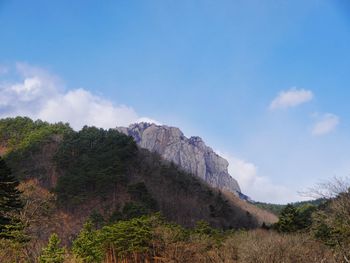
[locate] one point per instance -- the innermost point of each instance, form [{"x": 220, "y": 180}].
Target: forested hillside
[
  {"x": 105, "y": 172},
  {"x": 94, "y": 196},
  {"x": 277, "y": 208}
]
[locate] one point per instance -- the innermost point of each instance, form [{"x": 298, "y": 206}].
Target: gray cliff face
[{"x": 189, "y": 153}]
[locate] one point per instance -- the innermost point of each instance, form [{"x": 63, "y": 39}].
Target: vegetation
[
  {"x": 27, "y": 143},
  {"x": 102, "y": 173},
  {"x": 331, "y": 222},
  {"x": 294, "y": 219},
  {"x": 94, "y": 162},
  {"x": 277, "y": 208},
  {"x": 52, "y": 253},
  {"x": 150, "y": 238},
  {"x": 21, "y": 132},
  {"x": 109, "y": 201},
  {"x": 87, "y": 245},
  {"x": 10, "y": 205}
]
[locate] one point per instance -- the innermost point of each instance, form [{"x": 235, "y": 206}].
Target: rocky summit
[{"x": 189, "y": 153}]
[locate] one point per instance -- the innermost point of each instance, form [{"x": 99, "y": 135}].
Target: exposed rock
[{"x": 189, "y": 153}]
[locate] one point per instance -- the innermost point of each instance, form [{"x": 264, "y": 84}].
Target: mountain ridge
[
  {"x": 191, "y": 154},
  {"x": 104, "y": 172}
]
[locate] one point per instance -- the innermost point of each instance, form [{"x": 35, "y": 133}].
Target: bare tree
[
  {"x": 331, "y": 223},
  {"x": 329, "y": 189}
]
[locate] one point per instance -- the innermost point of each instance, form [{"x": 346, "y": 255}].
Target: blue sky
[{"x": 212, "y": 68}]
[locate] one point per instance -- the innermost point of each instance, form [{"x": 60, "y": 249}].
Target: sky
[{"x": 265, "y": 83}]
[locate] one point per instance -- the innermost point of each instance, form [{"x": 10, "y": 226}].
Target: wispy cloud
[
  {"x": 39, "y": 94},
  {"x": 325, "y": 124},
  {"x": 259, "y": 188},
  {"x": 291, "y": 98}
]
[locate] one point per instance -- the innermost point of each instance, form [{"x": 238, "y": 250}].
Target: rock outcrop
[{"x": 189, "y": 153}]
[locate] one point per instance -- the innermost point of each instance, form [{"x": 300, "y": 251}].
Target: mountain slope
[
  {"x": 191, "y": 154},
  {"x": 104, "y": 173}
]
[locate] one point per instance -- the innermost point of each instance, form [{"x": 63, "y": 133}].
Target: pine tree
[
  {"x": 52, "y": 253},
  {"x": 288, "y": 219},
  {"x": 10, "y": 203},
  {"x": 87, "y": 246}
]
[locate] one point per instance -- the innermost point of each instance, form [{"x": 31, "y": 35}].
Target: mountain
[
  {"x": 104, "y": 174},
  {"x": 191, "y": 154}
]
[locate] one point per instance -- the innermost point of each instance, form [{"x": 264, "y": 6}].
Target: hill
[
  {"x": 277, "y": 208},
  {"x": 104, "y": 174}
]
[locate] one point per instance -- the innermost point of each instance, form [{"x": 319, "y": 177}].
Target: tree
[
  {"x": 52, "y": 253},
  {"x": 87, "y": 245},
  {"x": 331, "y": 222},
  {"x": 288, "y": 219},
  {"x": 10, "y": 204},
  {"x": 128, "y": 239},
  {"x": 305, "y": 216}
]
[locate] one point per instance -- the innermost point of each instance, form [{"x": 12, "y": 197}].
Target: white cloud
[
  {"x": 326, "y": 123},
  {"x": 291, "y": 98},
  {"x": 40, "y": 95},
  {"x": 257, "y": 187}
]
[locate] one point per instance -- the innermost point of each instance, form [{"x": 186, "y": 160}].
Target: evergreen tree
[
  {"x": 288, "y": 219},
  {"x": 129, "y": 238},
  {"x": 294, "y": 219},
  {"x": 10, "y": 203},
  {"x": 87, "y": 245},
  {"x": 305, "y": 215},
  {"x": 52, "y": 253}
]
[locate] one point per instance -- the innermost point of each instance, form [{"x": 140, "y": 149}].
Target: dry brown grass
[
  {"x": 261, "y": 215},
  {"x": 269, "y": 247},
  {"x": 258, "y": 246}
]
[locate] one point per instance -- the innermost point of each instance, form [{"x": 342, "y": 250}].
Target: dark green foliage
[
  {"x": 104, "y": 169},
  {"x": 181, "y": 180},
  {"x": 331, "y": 223},
  {"x": 294, "y": 219},
  {"x": 21, "y": 133},
  {"x": 305, "y": 215},
  {"x": 276, "y": 208},
  {"x": 288, "y": 220},
  {"x": 100, "y": 164},
  {"x": 15, "y": 231},
  {"x": 94, "y": 162},
  {"x": 143, "y": 238},
  {"x": 322, "y": 230},
  {"x": 203, "y": 228},
  {"x": 97, "y": 219},
  {"x": 24, "y": 139},
  {"x": 185, "y": 198},
  {"x": 88, "y": 244},
  {"x": 127, "y": 237},
  {"x": 115, "y": 216},
  {"x": 10, "y": 204},
  {"x": 121, "y": 240},
  {"x": 132, "y": 210},
  {"x": 140, "y": 193},
  {"x": 221, "y": 208},
  {"x": 52, "y": 253}
]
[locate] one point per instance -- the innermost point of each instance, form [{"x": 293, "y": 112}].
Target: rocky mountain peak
[
  {"x": 192, "y": 154},
  {"x": 198, "y": 142}
]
